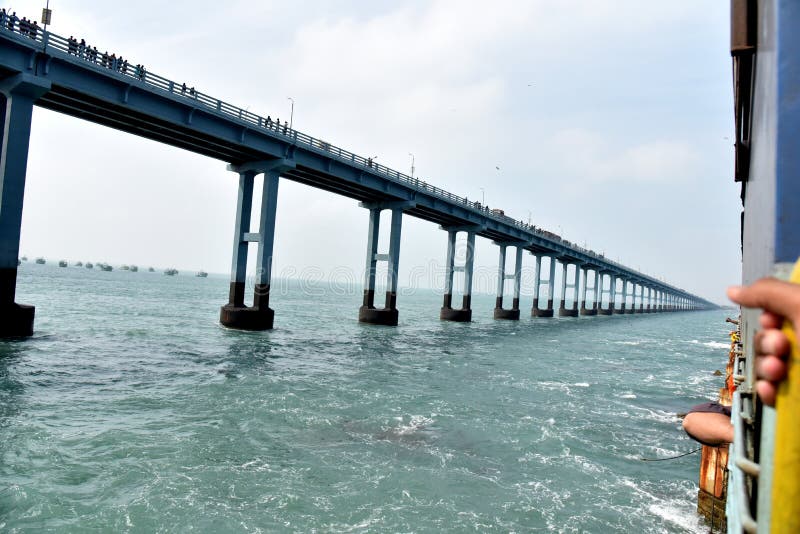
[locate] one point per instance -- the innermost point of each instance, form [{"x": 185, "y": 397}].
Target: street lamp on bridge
[
  {"x": 291, "y": 115},
  {"x": 412, "y": 164}
]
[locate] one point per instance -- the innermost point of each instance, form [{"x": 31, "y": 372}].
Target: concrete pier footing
[
  {"x": 17, "y": 320},
  {"x": 567, "y": 312},
  {"x": 246, "y": 317},
  {"x": 588, "y": 311},
  {"x": 538, "y": 312},
  {"x": 379, "y": 316}
]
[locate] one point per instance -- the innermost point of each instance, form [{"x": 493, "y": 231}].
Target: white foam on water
[
  {"x": 711, "y": 344},
  {"x": 627, "y": 396},
  {"x": 581, "y": 384}
]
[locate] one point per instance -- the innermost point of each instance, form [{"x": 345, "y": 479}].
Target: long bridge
[{"x": 40, "y": 68}]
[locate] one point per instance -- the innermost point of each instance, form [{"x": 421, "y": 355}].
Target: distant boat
[
  {"x": 171, "y": 272},
  {"x": 201, "y": 274},
  {"x": 79, "y": 264},
  {"x": 150, "y": 270},
  {"x": 134, "y": 269},
  {"x": 125, "y": 268},
  {"x": 89, "y": 265},
  {"x": 63, "y": 263},
  {"x": 40, "y": 261},
  {"x": 105, "y": 267},
  {"x": 24, "y": 258}
]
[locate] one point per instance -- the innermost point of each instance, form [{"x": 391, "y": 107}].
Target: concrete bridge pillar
[
  {"x": 641, "y": 299},
  {"x": 465, "y": 313},
  {"x": 593, "y": 310},
  {"x": 572, "y": 311},
  {"x": 513, "y": 313},
  {"x": 612, "y": 296},
  {"x": 633, "y": 298},
  {"x": 647, "y": 306},
  {"x": 548, "y": 311},
  {"x": 368, "y": 313},
  {"x": 597, "y": 291},
  {"x": 236, "y": 314},
  {"x": 624, "y": 300},
  {"x": 17, "y": 96}
]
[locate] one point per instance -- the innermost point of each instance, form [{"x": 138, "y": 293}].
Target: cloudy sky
[{"x": 610, "y": 122}]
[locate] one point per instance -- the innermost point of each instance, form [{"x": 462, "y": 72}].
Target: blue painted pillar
[
  {"x": 469, "y": 266},
  {"x": 465, "y": 313},
  {"x": 612, "y": 297},
  {"x": 394, "y": 259},
  {"x": 499, "y": 312},
  {"x": 447, "y": 304},
  {"x": 634, "y": 308},
  {"x": 266, "y": 242},
  {"x": 572, "y": 311},
  {"x": 536, "y": 283},
  {"x": 624, "y": 299},
  {"x": 368, "y": 313},
  {"x": 593, "y": 309},
  {"x": 244, "y": 208},
  {"x": 236, "y": 314},
  {"x": 547, "y": 311},
  {"x": 16, "y": 107},
  {"x": 584, "y": 290},
  {"x": 370, "y": 270}
]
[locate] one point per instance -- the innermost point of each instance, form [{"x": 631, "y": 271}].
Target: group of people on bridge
[
  {"x": 74, "y": 47},
  {"x": 90, "y": 53},
  {"x": 24, "y": 26}
]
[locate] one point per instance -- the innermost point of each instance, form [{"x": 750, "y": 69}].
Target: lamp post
[
  {"x": 291, "y": 115},
  {"x": 483, "y": 199},
  {"x": 412, "y": 164}
]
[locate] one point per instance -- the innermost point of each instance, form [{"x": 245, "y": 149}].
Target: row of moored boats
[{"x": 106, "y": 267}]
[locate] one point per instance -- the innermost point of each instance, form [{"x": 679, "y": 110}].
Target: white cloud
[{"x": 589, "y": 157}]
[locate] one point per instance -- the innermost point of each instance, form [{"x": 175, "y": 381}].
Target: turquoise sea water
[{"x": 132, "y": 410}]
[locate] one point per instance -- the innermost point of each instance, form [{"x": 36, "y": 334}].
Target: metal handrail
[
  {"x": 74, "y": 50},
  {"x": 743, "y": 466}
]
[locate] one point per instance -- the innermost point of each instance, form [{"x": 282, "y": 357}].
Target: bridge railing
[{"x": 74, "y": 50}]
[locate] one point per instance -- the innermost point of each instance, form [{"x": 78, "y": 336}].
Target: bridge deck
[{"x": 127, "y": 98}]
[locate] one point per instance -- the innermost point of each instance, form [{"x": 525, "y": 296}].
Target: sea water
[{"x": 132, "y": 410}]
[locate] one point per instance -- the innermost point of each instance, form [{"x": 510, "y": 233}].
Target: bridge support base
[
  {"x": 380, "y": 316},
  {"x": 464, "y": 315},
  {"x": 17, "y": 320},
  {"x": 509, "y": 315},
  {"x": 606, "y": 311},
  {"x": 618, "y": 311},
  {"x": 246, "y": 318},
  {"x": 588, "y": 311},
  {"x": 630, "y": 311},
  {"x": 538, "y": 312},
  {"x": 458, "y": 316},
  {"x": 567, "y": 312}
]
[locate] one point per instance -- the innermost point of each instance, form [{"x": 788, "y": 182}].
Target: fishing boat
[
  {"x": 79, "y": 264},
  {"x": 24, "y": 258},
  {"x": 763, "y": 483},
  {"x": 134, "y": 269},
  {"x": 89, "y": 265},
  {"x": 201, "y": 274},
  {"x": 63, "y": 263},
  {"x": 171, "y": 272},
  {"x": 150, "y": 270},
  {"x": 40, "y": 261},
  {"x": 125, "y": 268}
]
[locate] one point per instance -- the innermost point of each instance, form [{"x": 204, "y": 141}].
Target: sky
[{"x": 608, "y": 122}]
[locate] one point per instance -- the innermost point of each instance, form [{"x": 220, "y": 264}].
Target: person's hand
[{"x": 779, "y": 300}]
